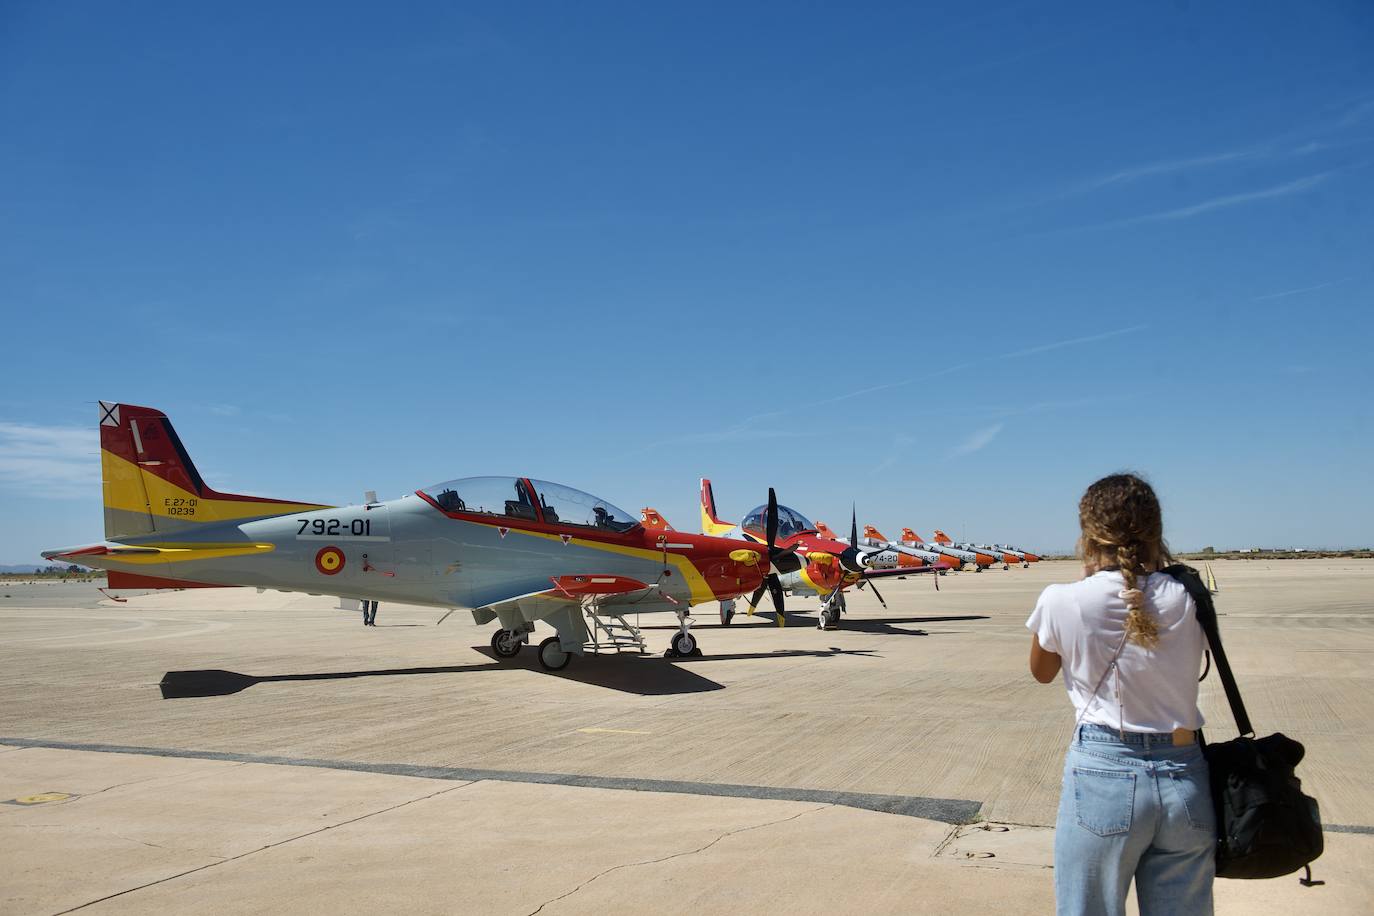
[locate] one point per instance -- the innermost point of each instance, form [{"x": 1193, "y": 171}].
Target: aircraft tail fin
[
  {"x": 652, "y": 519},
  {"x": 151, "y": 486},
  {"x": 710, "y": 522},
  {"x": 942, "y": 538},
  {"x": 911, "y": 537},
  {"x": 825, "y": 531},
  {"x": 874, "y": 533}
]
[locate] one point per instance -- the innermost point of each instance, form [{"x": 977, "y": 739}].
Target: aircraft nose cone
[{"x": 854, "y": 561}]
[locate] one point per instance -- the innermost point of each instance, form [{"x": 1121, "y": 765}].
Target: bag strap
[
  {"x": 1098, "y": 689},
  {"x": 1207, "y": 617}
]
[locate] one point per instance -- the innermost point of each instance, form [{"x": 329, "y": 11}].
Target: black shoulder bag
[{"x": 1266, "y": 826}]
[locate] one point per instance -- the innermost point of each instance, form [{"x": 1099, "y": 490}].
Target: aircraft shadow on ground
[
  {"x": 884, "y": 625},
  {"x": 649, "y": 675}
]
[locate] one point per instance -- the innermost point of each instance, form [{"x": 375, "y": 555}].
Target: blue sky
[{"x": 950, "y": 263}]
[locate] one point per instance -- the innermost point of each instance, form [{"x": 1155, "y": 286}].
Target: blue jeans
[{"x": 1135, "y": 809}]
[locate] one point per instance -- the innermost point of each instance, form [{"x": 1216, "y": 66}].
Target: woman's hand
[{"x": 1044, "y": 666}]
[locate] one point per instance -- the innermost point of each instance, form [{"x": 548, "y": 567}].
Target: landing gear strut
[
  {"x": 507, "y": 644},
  {"x": 727, "y": 612},
  {"x": 683, "y": 642},
  {"x": 831, "y": 609}
]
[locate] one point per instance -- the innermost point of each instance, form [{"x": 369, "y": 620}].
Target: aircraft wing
[
  {"x": 902, "y": 571},
  {"x": 623, "y": 592}
]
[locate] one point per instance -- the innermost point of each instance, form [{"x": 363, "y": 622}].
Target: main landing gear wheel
[
  {"x": 505, "y": 644},
  {"x": 551, "y": 655},
  {"x": 830, "y": 619},
  {"x": 682, "y": 645}
]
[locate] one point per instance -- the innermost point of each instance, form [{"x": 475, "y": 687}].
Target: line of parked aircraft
[{"x": 511, "y": 549}]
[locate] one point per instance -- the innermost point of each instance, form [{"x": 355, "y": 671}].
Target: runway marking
[
  {"x": 943, "y": 810},
  {"x": 612, "y": 731}
]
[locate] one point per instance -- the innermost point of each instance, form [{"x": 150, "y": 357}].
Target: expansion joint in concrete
[
  {"x": 251, "y": 852},
  {"x": 677, "y": 855}
]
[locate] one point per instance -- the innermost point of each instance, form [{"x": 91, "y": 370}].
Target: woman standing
[{"x": 1135, "y": 803}]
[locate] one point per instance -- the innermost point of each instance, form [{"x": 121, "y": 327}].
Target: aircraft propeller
[
  {"x": 853, "y": 559},
  {"x": 771, "y": 583}
]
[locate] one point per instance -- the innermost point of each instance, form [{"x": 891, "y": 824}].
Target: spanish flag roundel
[{"x": 329, "y": 560}]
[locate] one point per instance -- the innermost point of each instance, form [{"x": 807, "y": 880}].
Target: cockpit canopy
[
  {"x": 790, "y": 522},
  {"x": 512, "y": 497}
]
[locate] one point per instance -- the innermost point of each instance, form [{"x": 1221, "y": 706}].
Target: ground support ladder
[{"x": 612, "y": 631}]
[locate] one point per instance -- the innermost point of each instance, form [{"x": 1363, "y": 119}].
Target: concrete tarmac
[{"x": 905, "y": 763}]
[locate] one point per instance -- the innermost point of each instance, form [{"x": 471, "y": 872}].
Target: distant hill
[{"x": 28, "y": 568}]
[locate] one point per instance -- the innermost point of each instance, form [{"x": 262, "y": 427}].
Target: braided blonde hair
[{"x": 1123, "y": 527}]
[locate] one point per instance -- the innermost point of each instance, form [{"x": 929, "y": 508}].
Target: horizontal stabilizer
[{"x": 98, "y": 554}]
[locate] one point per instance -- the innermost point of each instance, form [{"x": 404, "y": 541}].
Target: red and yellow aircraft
[
  {"x": 512, "y": 549},
  {"x": 804, "y": 560}
]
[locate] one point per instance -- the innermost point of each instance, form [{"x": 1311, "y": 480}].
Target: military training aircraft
[
  {"x": 981, "y": 560},
  {"x": 1009, "y": 555},
  {"x": 804, "y": 561},
  {"x": 511, "y": 549}
]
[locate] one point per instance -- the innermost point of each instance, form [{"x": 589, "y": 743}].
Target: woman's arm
[{"x": 1044, "y": 666}]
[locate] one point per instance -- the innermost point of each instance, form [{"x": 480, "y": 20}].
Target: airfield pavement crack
[
  {"x": 676, "y": 855},
  {"x": 251, "y": 852}
]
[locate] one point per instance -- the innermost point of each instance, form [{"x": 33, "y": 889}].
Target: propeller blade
[
  {"x": 758, "y": 593},
  {"x": 770, "y": 520},
  {"x": 785, "y": 559},
  {"x": 775, "y": 589},
  {"x": 877, "y": 594},
  {"x": 853, "y": 526}
]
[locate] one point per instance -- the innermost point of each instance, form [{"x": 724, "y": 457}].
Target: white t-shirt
[{"x": 1083, "y": 623}]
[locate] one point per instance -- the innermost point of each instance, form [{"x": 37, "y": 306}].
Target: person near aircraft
[
  {"x": 1136, "y": 804},
  {"x": 369, "y": 613}
]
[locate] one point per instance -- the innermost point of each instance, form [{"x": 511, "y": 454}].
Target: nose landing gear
[{"x": 683, "y": 643}]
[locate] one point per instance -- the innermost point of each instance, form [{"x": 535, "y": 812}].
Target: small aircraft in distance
[
  {"x": 884, "y": 556},
  {"x": 981, "y": 560},
  {"x": 512, "y": 549},
  {"x": 1009, "y": 555},
  {"x": 803, "y": 560}
]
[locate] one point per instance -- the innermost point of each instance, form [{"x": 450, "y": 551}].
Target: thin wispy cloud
[
  {"x": 1304, "y": 141},
  {"x": 900, "y": 443},
  {"x": 978, "y": 441},
  {"x": 743, "y": 433},
  {"x": 1358, "y": 112},
  {"x": 1000, "y": 357},
  {"x": 1297, "y": 292},
  {"x": 59, "y": 462},
  {"x": 1166, "y": 167},
  {"x": 1232, "y": 200},
  {"x": 1225, "y": 201}
]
